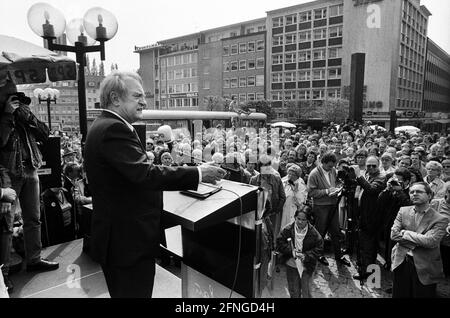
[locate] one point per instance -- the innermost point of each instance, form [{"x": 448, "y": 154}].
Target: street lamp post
[
  {"x": 48, "y": 95},
  {"x": 97, "y": 25}
]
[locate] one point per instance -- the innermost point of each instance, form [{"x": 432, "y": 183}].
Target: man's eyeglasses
[
  {"x": 417, "y": 191},
  {"x": 371, "y": 166}
]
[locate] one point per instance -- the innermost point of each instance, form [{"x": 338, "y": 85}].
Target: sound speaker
[
  {"x": 357, "y": 86},
  {"x": 50, "y": 172},
  {"x": 141, "y": 130}
]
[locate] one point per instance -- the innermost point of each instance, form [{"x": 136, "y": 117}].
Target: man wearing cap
[{"x": 20, "y": 132}]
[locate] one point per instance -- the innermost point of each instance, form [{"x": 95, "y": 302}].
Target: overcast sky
[{"x": 144, "y": 22}]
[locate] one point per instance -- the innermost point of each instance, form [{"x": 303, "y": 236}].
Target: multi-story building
[{"x": 308, "y": 53}]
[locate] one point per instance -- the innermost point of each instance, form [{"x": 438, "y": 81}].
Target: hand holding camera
[{"x": 12, "y": 104}]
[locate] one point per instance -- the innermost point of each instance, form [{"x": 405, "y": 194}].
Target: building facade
[{"x": 308, "y": 51}]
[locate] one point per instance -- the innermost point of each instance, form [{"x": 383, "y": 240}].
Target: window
[
  {"x": 305, "y": 16},
  {"x": 318, "y": 74},
  {"x": 277, "y": 22},
  {"x": 251, "y": 47},
  {"x": 259, "y": 96},
  {"x": 334, "y": 73},
  {"x": 205, "y": 84},
  {"x": 277, "y": 96},
  {"x": 234, "y": 49},
  {"x": 260, "y": 45},
  {"x": 304, "y": 36},
  {"x": 291, "y": 38},
  {"x": 318, "y": 94},
  {"x": 242, "y": 48},
  {"x": 178, "y": 74},
  {"x": 334, "y": 52},
  {"x": 336, "y": 32},
  {"x": 251, "y": 96},
  {"x": 320, "y": 14},
  {"x": 193, "y": 72},
  {"x": 277, "y": 77},
  {"x": 242, "y": 65},
  {"x": 304, "y": 94},
  {"x": 261, "y": 28},
  {"x": 250, "y": 30},
  {"x": 206, "y": 69},
  {"x": 186, "y": 73},
  {"x": 320, "y": 34},
  {"x": 277, "y": 59},
  {"x": 334, "y": 93},
  {"x": 291, "y": 19},
  {"x": 319, "y": 54},
  {"x": 242, "y": 98},
  {"x": 234, "y": 66},
  {"x": 259, "y": 80},
  {"x": 336, "y": 10},
  {"x": 291, "y": 57},
  {"x": 251, "y": 81},
  {"x": 290, "y": 76},
  {"x": 226, "y": 83},
  {"x": 304, "y": 56},
  {"x": 178, "y": 58},
  {"x": 234, "y": 83},
  {"x": 226, "y": 50},
  {"x": 260, "y": 62},
  {"x": 277, "y": 40},
  {"x": 251, "y": 64},
  {"x": 226, "y": 66},
  {"x": 304, "y": 75},
  {"x": 170, "y": 61},
  {"x": 242, "y": 81},
  {"x": 290, "y": 95}
]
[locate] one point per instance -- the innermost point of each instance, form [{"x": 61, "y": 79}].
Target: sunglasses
[{"x": 372, "y": 166}]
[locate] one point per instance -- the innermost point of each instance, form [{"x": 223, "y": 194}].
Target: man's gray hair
[{"x": 115, "y": 82}]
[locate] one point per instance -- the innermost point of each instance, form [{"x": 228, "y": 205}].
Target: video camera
[
  {"x": 348, "y": 177},
  {"x": 21, "y": 97}
]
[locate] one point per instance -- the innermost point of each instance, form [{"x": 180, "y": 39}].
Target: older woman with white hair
[
  {"x": 433, "y": 178},
  {"x": 296, "y": 193}
]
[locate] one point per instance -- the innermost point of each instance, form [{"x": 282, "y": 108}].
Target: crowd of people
[{"x": 347, "y": 183}]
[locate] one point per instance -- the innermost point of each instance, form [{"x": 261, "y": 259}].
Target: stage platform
[{"x": 79, "y": 276}]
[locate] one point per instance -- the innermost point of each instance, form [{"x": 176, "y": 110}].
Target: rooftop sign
[{"x": 363, "y": 2}]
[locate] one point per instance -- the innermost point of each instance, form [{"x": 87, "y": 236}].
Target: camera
[
  {"x": 348, "y": 178},
  {"x": 21, "y": 97}
]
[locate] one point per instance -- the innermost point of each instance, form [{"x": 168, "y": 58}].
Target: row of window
[
  {"x": 243, "y": 65},
  {"x": 306, "y": 16},
  {"x": 242, "y": 48},
  {"x": 242, "y": 98},
  {"x": 409, "y": 84},
  {"x": 307, "y": 36},
  {"x": 413, "y": 16},
  {"x": 305, "y": 56},
  {"x": 402, "y": 103},
  {"x": 249, "y": 81},
  {"x": 318, "y": 74},
  {"x": 306, "y": 94},
  {"x": 179, "y": 74},
  {"x": 179, "y": 102},
  {"x": 181, "y": 59},
  {"x": 179, "y": 88}
]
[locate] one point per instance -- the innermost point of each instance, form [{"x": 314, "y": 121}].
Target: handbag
[{"x": 66, "y": 208}]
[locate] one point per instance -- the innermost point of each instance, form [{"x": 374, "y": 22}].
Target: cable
[{"x": 239, "y": 242}]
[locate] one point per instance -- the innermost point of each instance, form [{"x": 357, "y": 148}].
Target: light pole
[
  {"x": 49, "y": 95},
  {"x": 97, "y": 25}
]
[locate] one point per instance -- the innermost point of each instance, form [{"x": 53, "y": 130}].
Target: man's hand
[
  {"x": 448, "y": 229},
  {"x": 211, "y": 174},
  {"x": 11, "y": 105},
  {"x": 23, "y": 113},
  {"x": 5, "y": 207},
  {"x": 9, "y": 195}
]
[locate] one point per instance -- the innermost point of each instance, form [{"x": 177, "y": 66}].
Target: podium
[{"x": 220, "y": 241}]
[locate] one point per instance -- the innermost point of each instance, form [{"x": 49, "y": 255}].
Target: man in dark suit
[
  {"x": 416, "y": 259},
  {"x": 126, "y": 189}
]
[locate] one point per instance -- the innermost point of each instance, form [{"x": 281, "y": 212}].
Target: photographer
[
  {"x": 395, "y": 196},
  {"x": 20, "y": 132},
  {"x": 369, "y": 221}
]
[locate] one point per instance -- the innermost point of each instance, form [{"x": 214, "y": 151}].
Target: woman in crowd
[
  {"x": 296, "y": 194},
  {"x": 433, "y": 178},
  {"x": 300, "y": 245},
  {"x": 309, "y": 165}
]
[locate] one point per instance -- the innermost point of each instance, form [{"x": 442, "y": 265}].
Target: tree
[
  {"x": 94, "y": 70},
  {"x": 335, "y": 110},
  {"x": 101, "y": 71},
  {"x": 214, "y": 103},
  {"x": 260, "y": 106}
]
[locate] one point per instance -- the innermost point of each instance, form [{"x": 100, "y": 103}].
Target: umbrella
[
  {"x": 283, "y": 124},
  {"x": 376, "y": 127},
  {"x": 407, "y": 129},
  {"x": 27, "y": 63}
]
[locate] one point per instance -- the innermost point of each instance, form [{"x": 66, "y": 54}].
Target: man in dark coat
[
  {"x": 369, "y": 220},
  {"x": 126, "y": 189}
]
